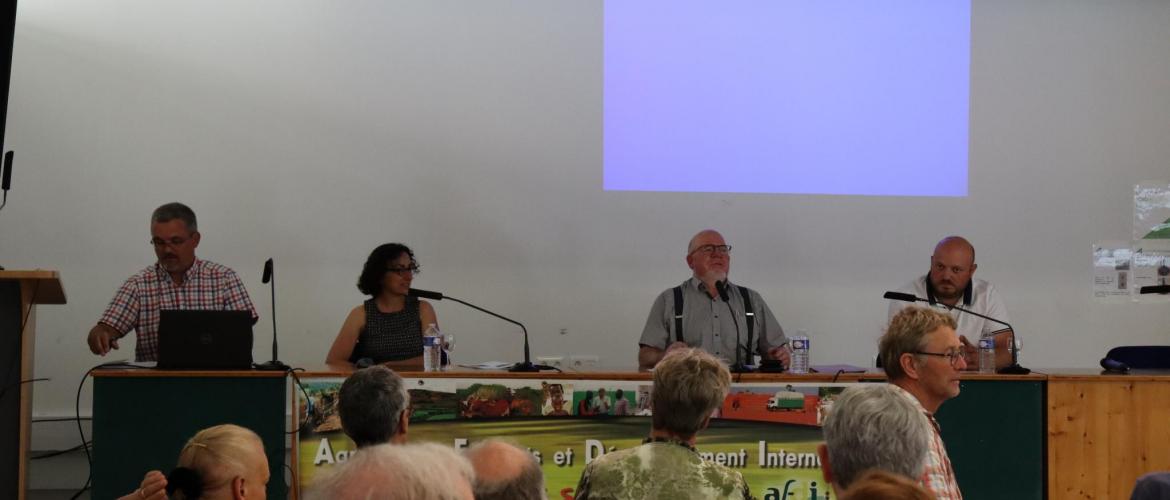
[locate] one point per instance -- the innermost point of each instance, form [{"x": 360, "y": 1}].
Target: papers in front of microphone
[
  {"x": 125, "y": 362},
  {"x": 490, "y": 365}
]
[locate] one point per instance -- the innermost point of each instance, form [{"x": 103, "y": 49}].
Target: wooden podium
[{"x": 20, "y": 292}]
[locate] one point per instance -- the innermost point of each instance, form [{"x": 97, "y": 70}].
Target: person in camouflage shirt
[{"x": 689, "y": 385}]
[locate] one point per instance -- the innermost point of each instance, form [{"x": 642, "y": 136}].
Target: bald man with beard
[{"x": 950, "y": 282}]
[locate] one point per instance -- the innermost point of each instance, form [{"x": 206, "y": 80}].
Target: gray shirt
[{"x": 707, "y": 322}]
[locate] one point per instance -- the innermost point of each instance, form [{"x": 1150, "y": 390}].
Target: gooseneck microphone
[
  {"x": 524, "y": 366},
  {"x": 268, "y": 278},
  {"x": 6, "y": 177},
  {"x": 739, "y": 366},
  {"x": 1013, "y": 369}
]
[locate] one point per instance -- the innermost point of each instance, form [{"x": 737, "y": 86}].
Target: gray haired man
[
  {"x": 873, "y": 426},
  {"x": 374, "y": 406},
  {"x": 177, "y": 280}
]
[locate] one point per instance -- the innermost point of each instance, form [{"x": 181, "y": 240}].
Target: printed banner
[{"x": 768, "y": 432}]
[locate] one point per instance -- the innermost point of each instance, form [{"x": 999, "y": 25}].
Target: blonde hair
[
  {"x": 219, "y": 454},
  {"x": 689, "y": 384},
  {"x": 905, "y": 334}
]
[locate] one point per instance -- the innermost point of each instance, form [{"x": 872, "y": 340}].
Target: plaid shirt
[
  {"x": 206, "y": 286},
  {"x": 937, "y": 476}
]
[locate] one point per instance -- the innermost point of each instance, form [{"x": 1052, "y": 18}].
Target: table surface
[{"x": 608, "y": 374}]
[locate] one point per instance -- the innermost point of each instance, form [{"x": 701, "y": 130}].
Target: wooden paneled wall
[{"x": 1104, "y": 432}]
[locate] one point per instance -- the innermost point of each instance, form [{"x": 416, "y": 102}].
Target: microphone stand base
[
  {"x": 1014, "y": 369},
  {"x": 739, "y": 368},
  {"x": 272, "y": 366},
  {"x": 529, "y": 367}
]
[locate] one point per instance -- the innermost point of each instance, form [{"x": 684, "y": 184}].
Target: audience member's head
[
  {"x": 906, "y": 334},
  {"x": 424, "y": 471},
  {"x": 873, "y": 426},
  {"x": 689, "y": 385},
  {"x": 226, "y": 461},
  {"x": 373, "y": 404},
  {"x": 921, "y": 353},
  {"x": 882, "y": 485},
  {"x": 504, "y": 471}
]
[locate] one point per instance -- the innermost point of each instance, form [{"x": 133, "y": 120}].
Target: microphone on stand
[
  {"x": 6, "y": 178},
  {"x": 523, "y": 366},
  {"x": 275, "y": 364},
  {"x": 739, "y": 366},
  {"x": 1012, "y": 369}
]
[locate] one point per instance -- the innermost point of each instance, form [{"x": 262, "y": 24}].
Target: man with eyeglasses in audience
[
  {"x": 706, "y": 321},
  {"x": 922, "y": 356},
  {"x": 178, "y": 280}
]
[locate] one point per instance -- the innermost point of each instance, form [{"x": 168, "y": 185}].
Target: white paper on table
[{"x": 491, "y": 365}]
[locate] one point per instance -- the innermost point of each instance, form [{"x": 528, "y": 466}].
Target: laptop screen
[{"x": 200, "y": 340}]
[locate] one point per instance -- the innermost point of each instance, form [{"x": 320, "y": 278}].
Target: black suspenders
[
  {"x": 751, "y": 319},
  {"x": 747, "y": 309}
]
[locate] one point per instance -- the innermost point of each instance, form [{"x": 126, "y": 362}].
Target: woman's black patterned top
[{"x": 390, "y": 336}]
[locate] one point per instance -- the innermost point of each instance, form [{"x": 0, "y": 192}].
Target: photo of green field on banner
[{"x": 768, "y": 432}]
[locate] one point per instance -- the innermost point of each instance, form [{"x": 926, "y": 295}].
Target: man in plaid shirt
[
  {"x": 178, "y": 280},
  {"x": 922, "y": 357}
]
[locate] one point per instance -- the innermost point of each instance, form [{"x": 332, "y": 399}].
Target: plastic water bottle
[
  {"x": 986, "y": 355},
  {"x": 432, "y": 346},
  {"x": 800, "y": 349}
]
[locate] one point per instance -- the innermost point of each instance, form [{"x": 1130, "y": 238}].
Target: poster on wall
[
  {"x": 1151, "y": 210},
  {"x": 1111, "y": 271},
  {"x": 766, "y": 431},
  {"x": 1151, "y": 267}
]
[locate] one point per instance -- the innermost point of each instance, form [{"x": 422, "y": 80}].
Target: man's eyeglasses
[
  {"x": 713, "y": 249},
  {"x": 173, "y": 242},
  {"x": 403, "y": 271},
  {"x": 955, "y": 356}
]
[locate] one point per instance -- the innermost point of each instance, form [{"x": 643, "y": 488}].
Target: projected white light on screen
[{"x": 864, "y": 97}]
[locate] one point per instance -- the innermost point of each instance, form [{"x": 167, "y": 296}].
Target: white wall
[{"x": 312, "y": 131}]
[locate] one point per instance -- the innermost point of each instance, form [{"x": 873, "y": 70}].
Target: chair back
[{"x": 1142, "y": 357}]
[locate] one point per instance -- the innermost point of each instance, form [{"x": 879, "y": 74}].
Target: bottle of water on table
[
  {"x": 800, "y": 350},
  {"x": 432, "y": 348},
  {"x": 987, "y": 355}
]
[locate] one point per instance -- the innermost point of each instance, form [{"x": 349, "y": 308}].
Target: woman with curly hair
[{"x": 389, "y": 325}]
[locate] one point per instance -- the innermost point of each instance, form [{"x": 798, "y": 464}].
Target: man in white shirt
[{"x": 950, "y": 283}]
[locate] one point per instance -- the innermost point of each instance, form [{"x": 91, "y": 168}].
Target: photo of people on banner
[{"x": 768, "y": 432}]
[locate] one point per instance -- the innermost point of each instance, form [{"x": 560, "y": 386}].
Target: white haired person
[
  {"x": 424, "y": 471},
  {"x": 872, "y": 426}
]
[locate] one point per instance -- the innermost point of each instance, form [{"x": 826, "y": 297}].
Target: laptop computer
[{"x": 205, "y": 340}]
